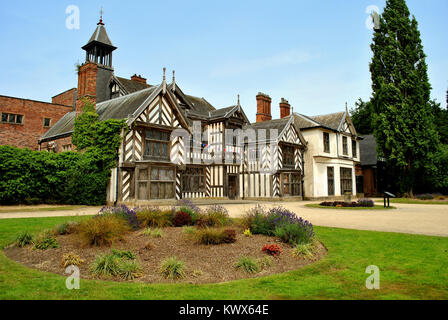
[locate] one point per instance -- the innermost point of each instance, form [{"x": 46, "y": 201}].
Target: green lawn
[
  {"x": 376, "y": 207},
  {"x": 412, "y": 267},
  {"x": 414, "y": 201}
]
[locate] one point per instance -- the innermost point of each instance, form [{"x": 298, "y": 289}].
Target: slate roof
[
  {"x": 63, "y": 127},
  {"x": 132, "y": 86},
  {"x": 330, "y": 121},
  {"x": 279, "y": 124},
  {"x": 118, "y": 108},
  {"x": 201, "y": 106},
  {"x": 100, "y": 36},
  {"x": 367, "y": 147}
]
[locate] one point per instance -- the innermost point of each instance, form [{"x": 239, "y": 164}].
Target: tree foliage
[
  {"x": 362, "y": 117},
  {"x": 403, "y": 120},
  {"x": 66, "y": 178}
]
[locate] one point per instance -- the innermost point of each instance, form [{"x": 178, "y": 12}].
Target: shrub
[
  {"x": 425, "y": 196},
  {"x": 194, "y": 216},
  {"x": 229, "y": 236},
  {"x": 216, "y": 216},
  {"x": 172, "y": 268},
  {"x": 71, "y": 259},
  {"x": 272, "y": 249},
  {"x": 261, "y": 222},
  {"x": 154, "y": 217},
  {"x": 46, "y": 240},
  {"x": 248, "y": 219},
  {"x": 297, "y": 233},
  {"x": 188, "y": 204},
  {"x": 155, "y": 233},
  {"x": 304, "y": 250},
  {"x": 66, "y": 228},
  {"x": 23, "y": 239},
  {"x": 248, "y": 265},
  {"x": 102, "y": 230},
  {"x": 107, "y": 265},
  {"x": 214, "y": 236},
  {"x": 129, "y": 270},
  {"x": 182, "y": 219},
  {"x": 124, "y": 254},
  {"x": 189, "y": 230},
  {"x": 367, "y": 203},
  {"x": 127, "y": 214},
  {"x": 265, "y": 262},
  {"x": 118, "y": 263}
]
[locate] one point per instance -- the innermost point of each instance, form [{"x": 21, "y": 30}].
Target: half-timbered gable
[{"x": 277, "y": 160}]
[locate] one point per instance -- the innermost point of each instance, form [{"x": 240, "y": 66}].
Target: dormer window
[{"x": 114, "y": 90}]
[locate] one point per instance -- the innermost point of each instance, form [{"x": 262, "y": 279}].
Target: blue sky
[{"x": 314, "y": 53}]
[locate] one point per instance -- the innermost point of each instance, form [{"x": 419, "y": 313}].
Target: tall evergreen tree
[
  {"x": 402, "y": 117},
  {"x": 362, "y": 117}
]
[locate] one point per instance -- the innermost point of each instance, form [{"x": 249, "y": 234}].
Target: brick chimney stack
[
  {"x": 138, "y": 78},
  {"x": 87, "y": 76},
  {"x": 285, "y": 108},
  {"x": 263, "y": 107}
]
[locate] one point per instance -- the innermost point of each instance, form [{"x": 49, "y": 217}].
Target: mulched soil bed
[{"x": 203, "y": 264}]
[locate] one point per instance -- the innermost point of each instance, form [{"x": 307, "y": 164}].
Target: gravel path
[{"x": 407, "y": 218}]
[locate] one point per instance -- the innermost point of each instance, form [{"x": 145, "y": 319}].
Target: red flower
[{"x": 272, "y": 249}]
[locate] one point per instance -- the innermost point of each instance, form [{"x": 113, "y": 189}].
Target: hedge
[{"x": 31, "y": 177}]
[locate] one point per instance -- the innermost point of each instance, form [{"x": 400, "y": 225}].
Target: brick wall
[
  {"x": 59, "y": 145},
  {"x": 66, "y": 98},
  {"x": 26, "y": 135}
]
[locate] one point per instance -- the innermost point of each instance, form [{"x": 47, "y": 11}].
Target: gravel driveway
[{"x": 407, "y": 218}]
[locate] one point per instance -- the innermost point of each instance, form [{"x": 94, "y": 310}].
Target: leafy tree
[
  {"x": 440, "y": 121},
  {"x": 402, "y": 117},
  {"x": 362, "y": 117}
]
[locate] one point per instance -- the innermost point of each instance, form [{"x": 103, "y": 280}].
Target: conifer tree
[{"x": 402, "y": 117}]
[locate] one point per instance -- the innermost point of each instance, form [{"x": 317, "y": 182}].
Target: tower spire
[
  {"x": 164, "y": 81},
  {"x": 101, "y": 17},
  {"x": 174, "y": 80}
]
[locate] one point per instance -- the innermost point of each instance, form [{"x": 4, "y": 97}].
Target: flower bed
[
  {"x": 144, "y": 244},
  {"x": 362, "y": 203}
]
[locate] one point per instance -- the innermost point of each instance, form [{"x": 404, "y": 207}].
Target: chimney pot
[
  {"x": 285, "y": 108},
  {"x": 138, "y": 78},
  {"x": 263, "y": 107}
]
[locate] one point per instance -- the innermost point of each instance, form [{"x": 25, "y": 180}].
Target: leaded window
[
  {"x": 193, "y": 180},
  {"x": 12, "y": 118},
  {"x": 291, "y": 184},
  {"x": 330, "y": 179},
  {"x": 346, "y": 181},
  {"x": 288, "y": 156},
  {"x": 155, "y": 183},
  {"x": 157, "y": 145}
]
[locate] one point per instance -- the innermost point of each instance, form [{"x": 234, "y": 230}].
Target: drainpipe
[{"x": 117, "y": 178}]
